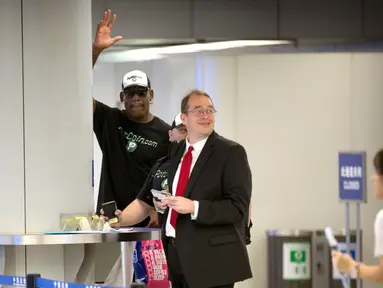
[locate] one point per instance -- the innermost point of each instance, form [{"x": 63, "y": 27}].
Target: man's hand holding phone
[
  {"x": 158, "y": 196},
  {"x": 111, "y": 214},
  {"x": 118, "y": 214}
]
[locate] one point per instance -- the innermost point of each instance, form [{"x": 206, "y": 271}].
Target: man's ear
[
  {"x": 170, "y": 135},
  {"x": 183, "y": 118},
  {"x": 122, "y": 96},
  {"x": 151, "y": 95}
]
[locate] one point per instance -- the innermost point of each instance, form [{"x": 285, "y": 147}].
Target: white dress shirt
[
  {"x": 198, "y": 146},
  {"x": 378, "y": 232}
]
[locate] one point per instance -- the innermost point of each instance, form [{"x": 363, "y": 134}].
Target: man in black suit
[{"x": 210, "y": 180}]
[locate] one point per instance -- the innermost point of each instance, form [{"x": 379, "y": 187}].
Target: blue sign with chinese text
[{"x": 352, "y": 176}]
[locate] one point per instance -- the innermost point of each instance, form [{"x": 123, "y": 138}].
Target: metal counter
[
  {"x": 126, "y": 237},
  {"x": 66, "y": 238}
]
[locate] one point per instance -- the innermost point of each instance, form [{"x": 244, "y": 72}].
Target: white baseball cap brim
[{"x": 177, "y": 121}]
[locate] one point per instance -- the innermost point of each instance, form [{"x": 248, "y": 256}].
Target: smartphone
[
  {"x": 109, "y": 209},
  {"x": 159, "y": 195}
]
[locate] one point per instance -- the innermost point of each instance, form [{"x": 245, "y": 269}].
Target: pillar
[
  {"x": 12, "y": 140},
  {"x": 46, "y": 124}
]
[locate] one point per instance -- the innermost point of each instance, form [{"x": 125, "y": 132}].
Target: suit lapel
[
  {"x": 174, "y": 165},
  {"x": 175, "y": 159},
  {"x": 201, "y": 161}
]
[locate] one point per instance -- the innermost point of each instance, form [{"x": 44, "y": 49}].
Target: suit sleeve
[{"x": 236, "y": 194}]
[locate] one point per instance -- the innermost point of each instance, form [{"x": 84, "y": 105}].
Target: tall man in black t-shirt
[
  {"x": 157, "y": 179},
  {"x": 142, "y": 206},
  {"x": 131, "y": 139}
]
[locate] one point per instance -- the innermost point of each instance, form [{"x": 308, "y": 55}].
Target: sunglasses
[{"x": 136, "y": 90}]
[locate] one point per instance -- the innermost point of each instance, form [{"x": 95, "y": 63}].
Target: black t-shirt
[
  {"x": 129, "y": 150},
  {"x": 157, "y": 180}
]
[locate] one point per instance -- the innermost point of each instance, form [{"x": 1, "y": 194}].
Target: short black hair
[
  {"x": 185, "y": 100},
  {"x": 378, "y": 162}
]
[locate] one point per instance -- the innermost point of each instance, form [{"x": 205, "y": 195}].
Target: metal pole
[
  {"x": 2, "y": 260},
  {"x": 127, "y": 249},
  {"x": 348, "y": 233},
  {"x": 85, "y": 274},
  {"x": 124, "y": 264},
  {"x": 357, "y": 251}
]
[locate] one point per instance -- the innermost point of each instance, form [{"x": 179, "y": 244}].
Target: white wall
[
  {"x": 303, "y": 108},
  {"x": 292, "y": 112}
]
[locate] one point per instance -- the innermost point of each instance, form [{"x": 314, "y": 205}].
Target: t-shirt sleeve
[
  {"x": 145, "y": 194},
  {"x": 102, "y": 114},
  {"x": 378, "y": 231}
]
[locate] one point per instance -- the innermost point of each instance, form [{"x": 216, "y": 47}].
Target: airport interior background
[
  {"x": 292, "y": 112},
  {"x": 292, "y": 104}
]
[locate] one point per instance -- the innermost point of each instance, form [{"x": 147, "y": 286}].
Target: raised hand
[{"x": 103, "y": 40}]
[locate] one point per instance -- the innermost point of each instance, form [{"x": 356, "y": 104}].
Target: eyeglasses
[
  {"x": 200, "y": 111},
  {"x": 136, "y": 90}
]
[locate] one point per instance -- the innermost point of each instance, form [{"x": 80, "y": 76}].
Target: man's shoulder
[
  {"x": 105, "y": 110},
  {"x": 174, "y": 147},
  {"x": 160, "y": 124},
  {"x": 226, "y": 143},
  {"x": 162, "y": 159},
  {"x": 159, "y": 163}
]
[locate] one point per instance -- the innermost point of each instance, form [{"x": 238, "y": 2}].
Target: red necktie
[{"x": 182, "y": 181}]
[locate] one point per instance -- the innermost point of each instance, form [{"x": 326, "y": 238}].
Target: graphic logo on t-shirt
[
  {"x": 161, "y": 174},
  {"x": 164, "y": 184},
  {"x": 131, "y": 146},
  {"x": 133, "y": 140}
]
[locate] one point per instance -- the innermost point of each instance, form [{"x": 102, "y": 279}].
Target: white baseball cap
[
  {"x": 135, "y": 78},
  {"x": 177, "y": 122}
]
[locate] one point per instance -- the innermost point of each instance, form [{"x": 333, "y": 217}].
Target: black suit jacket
[{"x": 212, "y": 248}]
